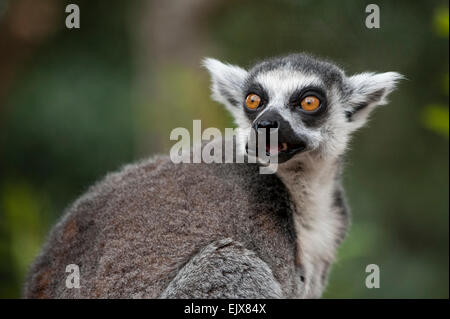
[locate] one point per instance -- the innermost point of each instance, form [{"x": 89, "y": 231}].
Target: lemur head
[{"x": 312, "y": 104}]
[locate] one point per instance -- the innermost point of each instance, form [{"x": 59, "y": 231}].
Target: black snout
[
  {"x": 267, "y": 124},
  {"x": 289, "y": 143}
]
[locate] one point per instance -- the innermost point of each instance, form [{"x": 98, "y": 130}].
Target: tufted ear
[
  {"x": 368, "y": 90},
  {"x": 227, "y": 82}
]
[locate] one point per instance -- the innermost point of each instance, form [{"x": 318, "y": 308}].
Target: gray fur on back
[{"x": 140, "y": 232}]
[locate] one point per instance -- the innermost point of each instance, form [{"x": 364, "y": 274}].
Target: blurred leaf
[
  {"x": 435, "y": 117},
  {"x": 25, "y": 222},
  {"x": 440, "y": 22}
]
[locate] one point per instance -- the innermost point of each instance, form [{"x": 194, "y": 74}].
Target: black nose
[{"x": 267, "y": 124}]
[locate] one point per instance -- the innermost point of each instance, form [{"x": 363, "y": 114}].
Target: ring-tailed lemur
[{"x": 162, "y": 230}]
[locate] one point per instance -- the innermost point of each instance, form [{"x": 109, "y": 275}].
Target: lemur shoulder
[{"x": 157, "y": 229}]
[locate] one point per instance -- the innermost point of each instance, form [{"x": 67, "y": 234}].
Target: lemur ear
[
  {"x": 368, "y": 90},
  {"x": 227, "y": 82}
]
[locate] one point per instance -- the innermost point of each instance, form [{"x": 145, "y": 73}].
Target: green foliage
[
  {"x": 24, "y": 224},
  {"x": 440, "y": 21},
  {"x": 435, "y": 118}
]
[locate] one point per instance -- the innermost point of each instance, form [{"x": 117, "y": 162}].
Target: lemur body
[{"x": 164, "y": 230}]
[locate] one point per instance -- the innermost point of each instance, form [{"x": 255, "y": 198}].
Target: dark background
[{"x": 75, "y": 104}]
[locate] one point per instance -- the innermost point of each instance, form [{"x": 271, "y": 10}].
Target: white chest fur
[{"x": 317, "y": 223}]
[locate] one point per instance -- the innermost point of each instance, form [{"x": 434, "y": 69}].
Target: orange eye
[
  {"x": 310, "y": 103},
  {"x": 252, "y": 101}
]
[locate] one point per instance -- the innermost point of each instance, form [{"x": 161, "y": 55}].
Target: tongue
[{"x": 273, "y": 149}]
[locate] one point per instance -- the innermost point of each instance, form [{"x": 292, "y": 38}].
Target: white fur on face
[
  {"x": 335, "y": 132},
  {"x": 280, "y": 84}
]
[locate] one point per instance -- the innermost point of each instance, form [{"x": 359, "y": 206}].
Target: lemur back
[{"x": 132, "y": 233}]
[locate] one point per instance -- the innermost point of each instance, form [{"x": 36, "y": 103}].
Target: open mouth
[
  {"x": 274, "y": 148},
  {"x": 283, "y": 148}
]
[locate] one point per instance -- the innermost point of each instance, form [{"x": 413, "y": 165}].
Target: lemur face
[
  {"x": 311, "y": 104},
  {"x": 294, "y": 103}
]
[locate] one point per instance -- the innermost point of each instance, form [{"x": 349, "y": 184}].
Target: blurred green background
[{"x": 75, "y": 104}]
